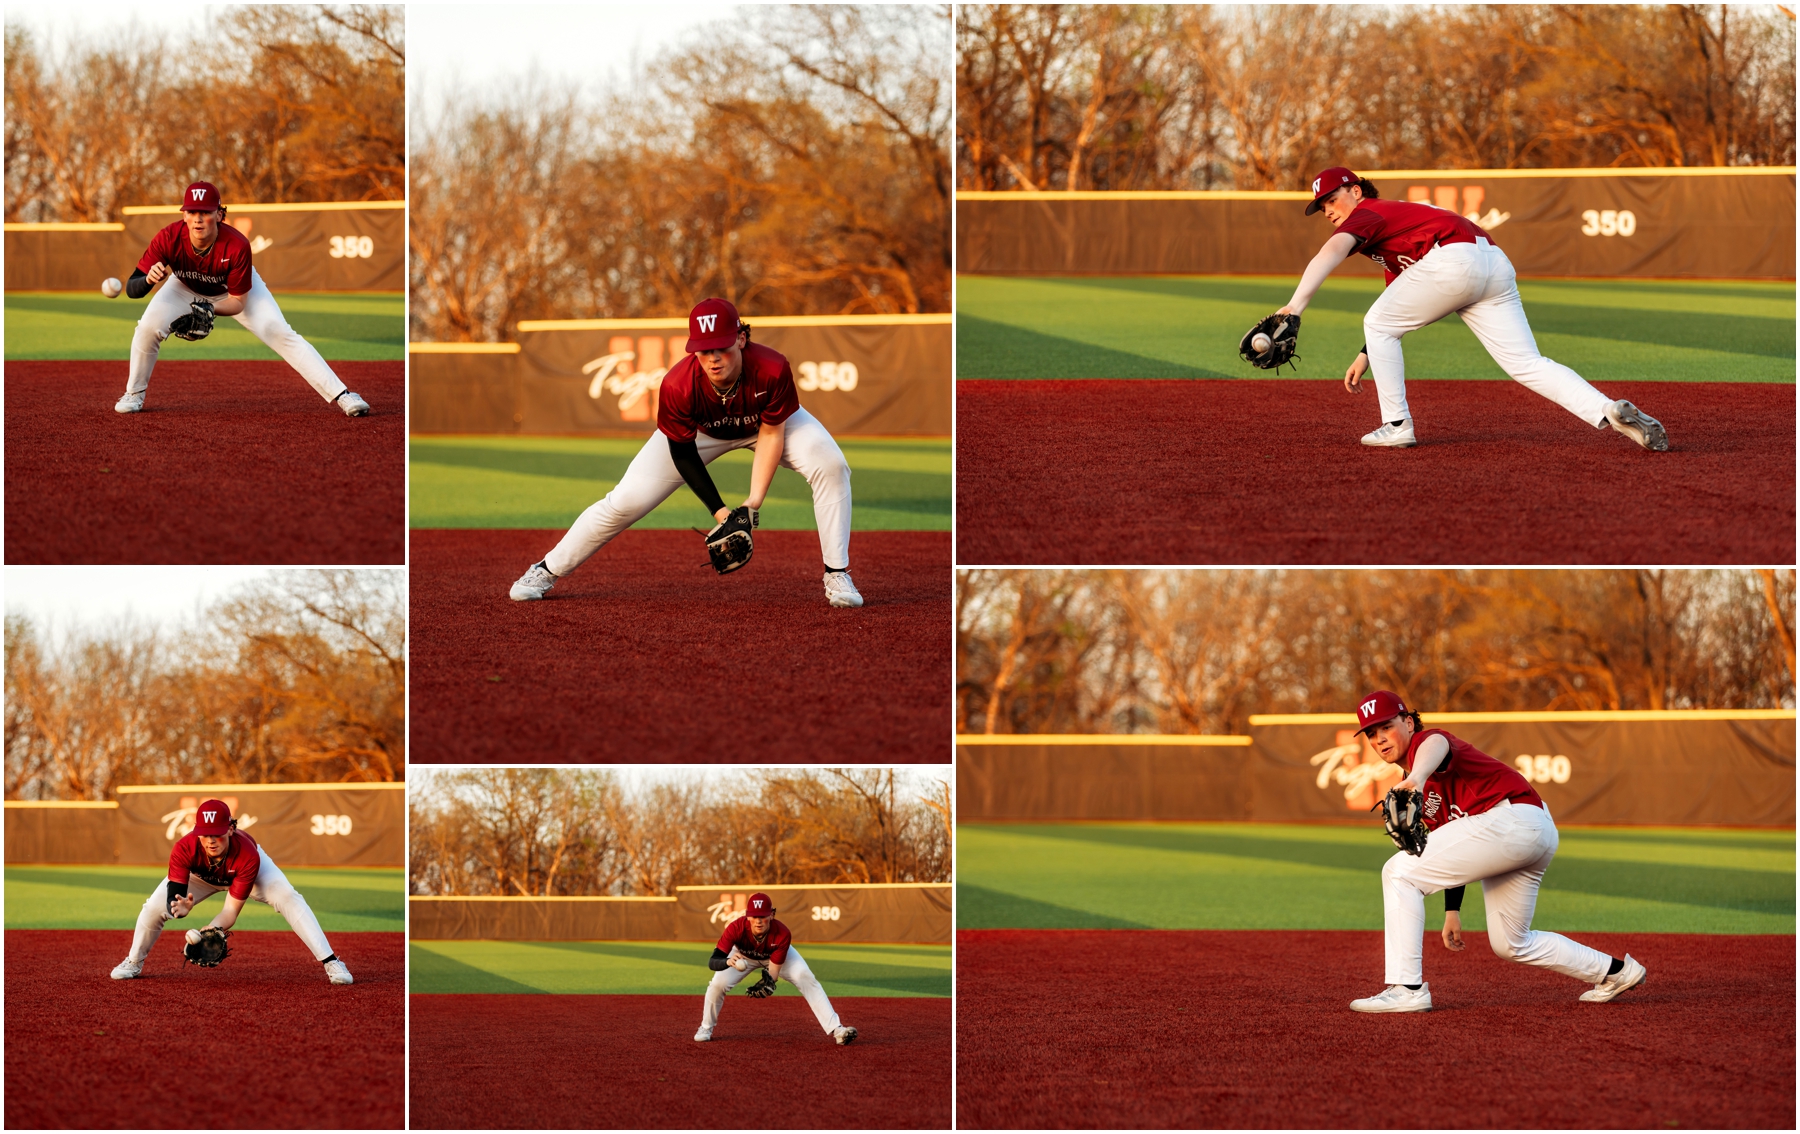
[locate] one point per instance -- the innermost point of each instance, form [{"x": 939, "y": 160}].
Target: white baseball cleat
[
  {"x": 338, "y": 972},
  {"x": 1633, "y": 975},
  {"x": 1637, "y": 425},
  {"x": 127, "y": 969},
  {"x": 1391, "y": 436},
  {"x": 703, "y": 1035},
  {"x": 1397, "y": 998},
  {"x": 130, "y": 403},
  {"x": 352, "y": 404},
  {"x": 839, "y": 590},
  {"x": 844, "y": 1036},
  {"x": 533, "y": 584}
]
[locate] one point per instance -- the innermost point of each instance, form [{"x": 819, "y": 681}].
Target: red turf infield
[
  {"x": 645, "y": 655},
  {"x": 1240, "y": 472},
  {"x": 83, "y": 1050},
  {"x": 1253, "y": 1029},
  {"x": 230, "y": 462},
  {"x": 623, "y": 1062}
]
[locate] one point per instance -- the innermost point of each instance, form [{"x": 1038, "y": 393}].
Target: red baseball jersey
[
  {"x": 1396, "y": 234},
  {"x": 225, "y": 267},
  {"x": 771, "y": 946},
  {"x": 765, "y": 394},
  {"x": 236, "y": 872},
  {"x": 1468, "y": 782}
]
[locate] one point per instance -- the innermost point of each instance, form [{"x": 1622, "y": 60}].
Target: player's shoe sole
[
  {"x": 844, "y": 1036},
  {"x": 1637, "y": 425},
  {"x": 1391, "y": 436},
  {"x": 353, "y": 405},
  {"x": 127, "y": 970},
  {"x": 1397, "y": 998},
  {"x": 1633, "y": 975},
  {"x": 130, "y": 403}
]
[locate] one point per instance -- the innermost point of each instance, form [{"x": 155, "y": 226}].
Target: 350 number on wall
[
  {"x": 352, "y": 247},
  {"x": 331, "y": 824},
  {"x": 827, "y": 376},
  {"x": 826, "y": 913},
  {"x": 1544, "y": 769},
  {"x": 1608, "y": 222}
]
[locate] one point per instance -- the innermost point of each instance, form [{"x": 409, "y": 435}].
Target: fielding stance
[
  {"x": 216, "y": 856},
  {"x": 208, "y": 268},
  {"x": 1486, "y": 824},
  {"x": 728, "y": 393},
  {"x": 757, "y": 942},
  {"x": 1438, "y": 262}
]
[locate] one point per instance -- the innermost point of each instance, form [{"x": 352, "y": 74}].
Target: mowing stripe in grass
[{"x": 348, "y": 326}]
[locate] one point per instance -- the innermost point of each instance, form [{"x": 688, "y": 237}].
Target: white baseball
[
  {"x": 193, "y": 937},
  {"x": 1260, "y": 343},
  {"x": 111, "y": 287}
]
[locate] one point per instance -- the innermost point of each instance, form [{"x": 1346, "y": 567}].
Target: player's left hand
[
  {"x": 1353, "y": 376},
  {"x": 196, "y": 324},
  {"x": 1453, "y": 931},
  {"x": 729, "y": 544},
  {"x": 764, "y": 987}
]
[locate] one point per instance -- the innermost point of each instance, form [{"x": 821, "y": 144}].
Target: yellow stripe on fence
[{"x": 971, "y": 739}]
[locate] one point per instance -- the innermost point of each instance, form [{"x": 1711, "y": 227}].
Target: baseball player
[
  {"x": 207, "y": 264},
  {"x": 216, "y": 856},
  {"x": 757, "y": 942},
  {"x": 1485, "y": 824},
  {"x": 1438, "y": 262},
  {"x": 727, "y": 393}
]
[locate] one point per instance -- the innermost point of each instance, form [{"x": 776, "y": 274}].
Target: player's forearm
[
  {"x": 1427, "y": 760},
  {"x": 229, "y": 915},
  {"x": 686, "y": 455},
  {"x": 138, "y": 286},
  {"x": 1335, "y": 252},
  {"x": 770, "y": 440},
  {"x": 228, "y": 305}
]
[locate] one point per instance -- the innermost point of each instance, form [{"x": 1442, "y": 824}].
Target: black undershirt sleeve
[
  {"x": 717, "y": 962},
  {"x": 1453, "y": 899},
  {"x": 176, "y": 890},
  {"x": 686, "y": 455},
  {"x": 137, "y": 287}
]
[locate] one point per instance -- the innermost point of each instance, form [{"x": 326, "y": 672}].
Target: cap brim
[
  {"x": 698, "y": 343},
  {"x": 1318, "y": 203}
]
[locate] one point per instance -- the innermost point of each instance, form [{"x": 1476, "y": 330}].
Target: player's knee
[{"x": 1503, "y": 946}]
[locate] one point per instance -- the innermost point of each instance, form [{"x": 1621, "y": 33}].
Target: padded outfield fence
[
  {"x": 1729, "y": 223},
  {"x": 858, "y": 374},
  {"x": 874, "y": 913},
  {"x": 325, "y": 246},
  {"x": 300, "y": 824},
  {"x": 1676, "y": 768}
]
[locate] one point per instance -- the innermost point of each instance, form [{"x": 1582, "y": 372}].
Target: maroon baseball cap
[
  {"x": 760, "y": 905},
  {"x": 212, "y": 818},
  {"x": 1378, "y": 707},
  {"x": 1328, "y": 183},
  {"x": 712, "y": 325},
  {"x": 201, "y": 197}
]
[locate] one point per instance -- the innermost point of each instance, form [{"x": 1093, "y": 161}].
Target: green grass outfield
[
  {"x": 1291, "y": 876},
  {"x": 486, "y": 481},
  {"x": 1189, "y": 327},
  {"x": 672, "y": 968},
  {"x": 348, "y": 326},
  {"x": 345, "y": 899}
]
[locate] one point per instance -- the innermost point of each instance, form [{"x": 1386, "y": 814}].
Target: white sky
[{"x": 59, "y": 599}]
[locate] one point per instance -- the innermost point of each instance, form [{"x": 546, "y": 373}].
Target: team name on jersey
[
  {"x": 200, "y": 277},
  {"x": 740, "y": 422}
]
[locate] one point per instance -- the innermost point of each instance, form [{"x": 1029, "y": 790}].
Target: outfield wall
[
  {"x": 1682, "y": 223},
  {"x": 905, "y": 913},
  {"x": 299, "y": 824},
  {"x": 330, "y": 246},
  {"x": 886, "y": 375},
  {"x": 1662, "y": 768}
]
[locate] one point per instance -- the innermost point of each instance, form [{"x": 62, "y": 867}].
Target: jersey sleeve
[
  {"x": 237, "y": 280},
  {"x": 779, "y": 941},
  {"x": 784, "y": 399},
  {"x": 728, "y": 939},
  {"x": 1364, "y": 225},
  {"x": 674, "y": 411},
  {"x": 181, "y": 859},
  {"x": 249, "y": 865},
  {"x": 156, "y": 254}
]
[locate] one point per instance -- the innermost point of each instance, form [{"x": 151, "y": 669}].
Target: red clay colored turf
[
  {"x": 1244, "y": 472},
  {"x": 645, "y": 655},
  {"x": 230, "y": 462},
  {"x": 1190, "y": 1028},
  {"x": 83, "y": 1050},
  {"x": 624, "y": 1062}
]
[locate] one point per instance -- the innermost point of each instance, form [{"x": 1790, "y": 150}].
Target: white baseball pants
[
  {"x": 1477, "y": 282},
  {"x": 271, "y": 889},
  {"x": 793, "y": 970},
  {"x": 808, "y": 449},
  {"x": 261, "y": 316},
  {"x": 1507, "y": 850}
]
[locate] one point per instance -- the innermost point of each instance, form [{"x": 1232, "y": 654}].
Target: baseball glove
[
  {"x": 209, "y": 950},
  {"x": 1400, "y": 812},
  {"x": 196, "y": 324},
  {"x": 1284, "y": 341},
  {"x": 729, "y": 543},
  {"x": 763, "y": 987}
]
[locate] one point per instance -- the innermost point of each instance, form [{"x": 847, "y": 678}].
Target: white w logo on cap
[
  {"x": 706, "y": 321},
  {"x": 199, "y": 194},
  {"x": 1316, "y": 186},
  {"x": 209, "y": 816},
  {"x": 1368, "y": 707}
]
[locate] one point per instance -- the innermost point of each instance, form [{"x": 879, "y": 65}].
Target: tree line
[
  {"x": 299, "y": 678},
  {"x": 1260, "y": 97},
  {"x": 798, "y": 163},
  {"x": 1200, "y": 651},
  {"x": 271, "y": 104},
  {"x": 534, "y": 831}
]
